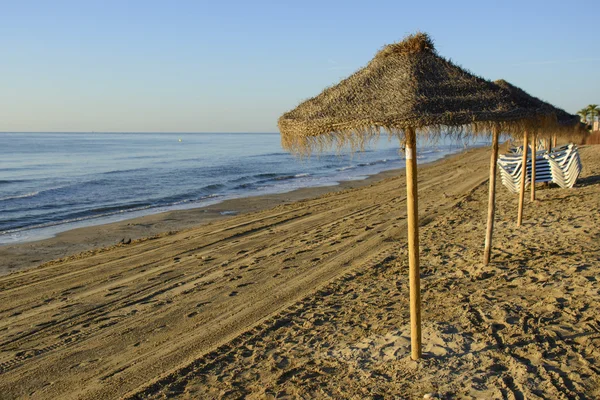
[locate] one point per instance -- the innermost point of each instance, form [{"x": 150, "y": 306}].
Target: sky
[{"x": 236, "y": 66}]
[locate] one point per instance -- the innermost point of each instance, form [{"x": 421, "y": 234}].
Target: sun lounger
[
  {"x": 565, "y": 166},
  {"x": 561, "y": 166}
]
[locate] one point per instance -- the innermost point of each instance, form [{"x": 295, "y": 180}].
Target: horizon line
[{"x": 174, "y": 132}]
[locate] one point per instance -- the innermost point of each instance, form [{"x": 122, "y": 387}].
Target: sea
[{"x": 53, "y": 182}]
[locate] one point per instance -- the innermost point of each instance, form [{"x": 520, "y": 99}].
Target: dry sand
[{"x": 310, "y": 300}]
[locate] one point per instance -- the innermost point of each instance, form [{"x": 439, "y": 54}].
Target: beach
[
  {"x": 106, "y": 236},
  {"x": 305, "y": 295}
]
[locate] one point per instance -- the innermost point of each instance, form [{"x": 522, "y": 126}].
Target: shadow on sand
[{"x": 588, "y": 181}]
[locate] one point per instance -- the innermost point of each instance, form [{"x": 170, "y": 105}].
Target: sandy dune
[{"x": 310, "y": 300}]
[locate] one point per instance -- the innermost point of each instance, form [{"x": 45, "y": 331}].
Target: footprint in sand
[{"x": 234, "y": 293}]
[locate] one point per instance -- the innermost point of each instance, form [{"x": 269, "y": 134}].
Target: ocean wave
[
  {"x": 122, "y": 171},
  {"x": 262, "y": 177},
  {"x": 120, "y": 208},
  {"x": 214, "y": 186},
  {"x": 265, "y": 175},
  {"x": 65, "y": 221},
  {"x": 136, "y": 157},
  {"x": 345, "y": 168},
  {"x": 35, "y": 209},
  {"x": 32, "y": 194},
  {"x": 284, "y": 177},
  {"x": 268, "y": 155},
  {"x": 9, "y": 181},
  {"x": 271, "y": 178},
  {"x": 102, "y": 212},
  {"x": 366, "y": 164},
  {"x": 190, "y": 159},
  {"x": 189, "y": 197},
  {"x": 185, "y": 201},
  {"x": 19, "y": 196}
]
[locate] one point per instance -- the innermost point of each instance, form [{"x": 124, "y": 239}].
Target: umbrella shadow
[
  {"x": 588, "y": 181},
  {"x": 512, "y": 351},
  {"x": 502, "y": 346}
]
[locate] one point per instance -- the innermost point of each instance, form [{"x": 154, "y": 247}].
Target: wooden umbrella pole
[
  {"x": 523, "y": 179},
  {"x": 548, "y": 144},
  {"x": 492, "y": 197},
  {"x": 553, "y": 141},
  {"x": 413, "y": 243},
  {"x": 533, "y": 155}
]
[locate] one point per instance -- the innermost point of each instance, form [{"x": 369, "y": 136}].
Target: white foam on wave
[
  {"x": 19, "y": 196},
  {"x": 31, "y": 194}
]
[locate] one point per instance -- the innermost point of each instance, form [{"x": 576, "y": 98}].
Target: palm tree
[
  {"x": 583, "y": 113},
  {"x": 593, "y": 110}
]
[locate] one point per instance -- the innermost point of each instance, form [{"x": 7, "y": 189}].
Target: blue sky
[{"x": 236, "y": 66}]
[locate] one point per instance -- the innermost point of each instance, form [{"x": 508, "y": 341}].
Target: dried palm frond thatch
[
  {"x": 565, "y": 125},
  {"x": 406, "y": 86}
]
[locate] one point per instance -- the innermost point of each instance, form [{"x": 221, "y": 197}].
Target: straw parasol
[
  {"x": 563, "y": 124},
  {"x": 570, "y": 126},
  {"x": 406, "y": 86},
  {"x": 407, "y": 89},
  {"x": 524, "y": 99}
]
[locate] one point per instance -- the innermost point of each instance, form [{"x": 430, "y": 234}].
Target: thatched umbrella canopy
[
  {"x": 406, "y": 86},
  {"x": 524, "y": 99},
  {"x": 406, "y": 89},
  {"x": 563, "y": 123},
  {"x": 570, "y": 126}
]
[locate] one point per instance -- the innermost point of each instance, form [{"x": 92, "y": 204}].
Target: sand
[{"x": 310, "y": 300}]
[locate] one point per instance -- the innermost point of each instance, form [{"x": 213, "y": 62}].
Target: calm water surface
[{"x": 52, "y": 182}]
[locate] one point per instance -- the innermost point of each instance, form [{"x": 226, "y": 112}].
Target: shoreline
[
  {"x": 50, "y": 228},
  {"x": 31, "y": 254}
]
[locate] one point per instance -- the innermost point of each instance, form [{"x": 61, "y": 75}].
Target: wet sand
[{"x": 309, "y": 299}]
